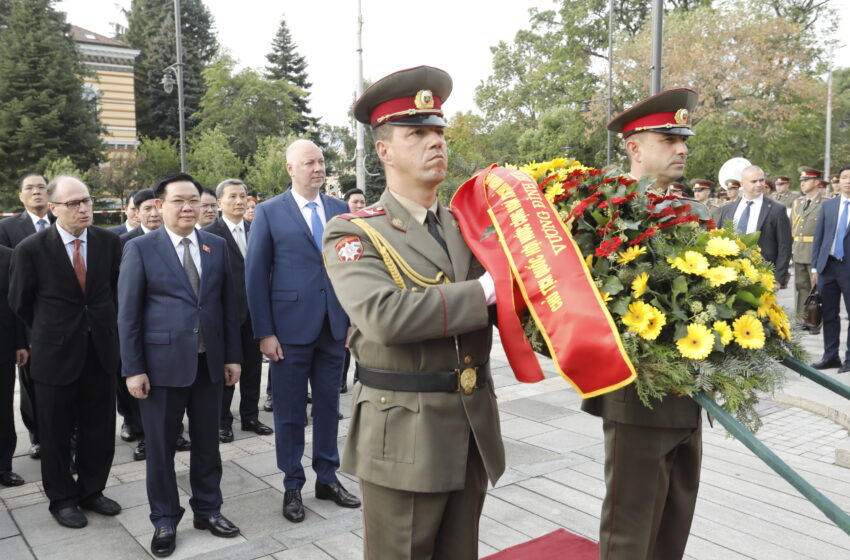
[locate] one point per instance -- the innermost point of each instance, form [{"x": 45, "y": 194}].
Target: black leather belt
[{"x": 466, "y": 379}]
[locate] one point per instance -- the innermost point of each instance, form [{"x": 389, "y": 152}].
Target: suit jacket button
[
  {"x": 383, "y": 400},
  {"x": 195, "y": 331}
]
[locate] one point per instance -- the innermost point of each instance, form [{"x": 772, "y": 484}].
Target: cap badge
[
  {"x": 681, "y": 116},
  {"x": 424, "y": 99}
]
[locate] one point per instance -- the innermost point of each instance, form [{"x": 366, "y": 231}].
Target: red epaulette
[{"x": 365, "y": 213}]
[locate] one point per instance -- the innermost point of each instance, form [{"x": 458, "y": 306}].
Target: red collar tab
[
  {"x": 365, "y": 213},
  {"x": 423, "y": 103}
]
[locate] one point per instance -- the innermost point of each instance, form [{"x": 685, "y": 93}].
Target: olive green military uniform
[
  {"x": 787, "y": 198},
  {"x": 804, "y": 221},
  {"x": 423, "y": 458}
]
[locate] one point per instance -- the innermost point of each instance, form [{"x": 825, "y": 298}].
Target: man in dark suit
[
  {"x": 179, "y": 331},
  {"x": 132, "y": 221},
  {"x": 300, "y": 323},
  {"x": 831, "y": 271},
  {"x": 63, "y": 287},
  {"x": 755, "y": 212},
  {"x": 13, "y": 351},
  {"x": 231, "y": 195},
  {"x": 652, "y": 456},
  {"x": 35, "y": 217}
]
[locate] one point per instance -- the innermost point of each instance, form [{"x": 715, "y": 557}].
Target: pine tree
[
  {"x": 286, "y": 64},
  {"x": 44, "y": 114},
  {"x": 150, "y": 28}
]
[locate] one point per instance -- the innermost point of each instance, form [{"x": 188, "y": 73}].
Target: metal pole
[
  {"x": 827, "y": 161},
  {"x": 361, "y": 141},
  {"x": 181, "y": 108},
  {"x": 657, "y": 32},
  {"x": 610, "y": 74}
]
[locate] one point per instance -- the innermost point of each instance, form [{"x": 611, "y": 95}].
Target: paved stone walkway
[{"x": 554, "y": 479}]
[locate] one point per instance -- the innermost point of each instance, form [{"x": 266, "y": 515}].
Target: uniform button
[
  {"x": 414, "y": 289},
  {"x": 467, "y": 360},
  {"x": 322, "y": 290},
  {"x": 383, "y": 400}
]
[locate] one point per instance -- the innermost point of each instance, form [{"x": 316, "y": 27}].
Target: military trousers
[
  {"x": 803, "y": 284},
  {"x": 651, "y": 480},
  {"x": 406, "y": 525}
]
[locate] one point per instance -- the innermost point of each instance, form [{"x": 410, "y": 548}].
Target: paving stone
[
  {"x": 498, "y": 535},
  {"x": 534, "y": 409},
  {"x": 261, "y": 547},
  {"x": 311, "y": 530},
  {"x": 129, "y": 495},
  {"x": 561, "y": 441},
  {"x": 305, "y": 552},
  {"x": 257, "y": 514},
  {"x": 520, "y": 428},
  {"x": 519, "y": 453},
  {"x": 14, "y": 548},
  {"x": 192, "y": 543},
  {"x": 544, "y": 467},
  {"x": 343, "y": 546},
  {"x": 7, "y": 526},
  {"x": 595, "y": 452},
  {"x": 519, "y": 519},
  {"x": 261, "y": 464}
]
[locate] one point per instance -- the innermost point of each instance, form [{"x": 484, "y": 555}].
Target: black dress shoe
[
  {"x": 71, "y": 517},
  {"x": 293, "y": 507},
  {"x": 164, "y": 541},
  {"x": 183, "y": 444},
  {"x": 845, "y": 367},
  {"x": 826, "y": 364},
  {"x": 218, "y": 525},
  {"x": 35, "y": 451},
  {"x": 225, "y": 435},
  {"x": 140, "y": 453},
  {"x": 340, "y": 496},
  {"x": 257, "y": 427},
  {"x": 102, "y": 505},
  {"x": 8, "y": 478},
  {"x": 268, "y": 406},
  {"x": 126, "y": 434}
]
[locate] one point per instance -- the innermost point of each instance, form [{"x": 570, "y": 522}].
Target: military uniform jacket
[
  {"x": 413, "y": 441},
  {"x": 787, "y": 198},
  {"x": 804, "y": 221}
]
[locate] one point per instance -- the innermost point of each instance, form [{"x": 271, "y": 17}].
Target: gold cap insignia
[
  {"x": 424, "y": 99},
  {"x": 681, "y": 116}
]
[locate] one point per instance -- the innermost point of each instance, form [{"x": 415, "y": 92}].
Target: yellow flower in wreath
[
  {"x": 691, "y": 262},
  {"x": 768, "y": 280},
  {"x": 722, "y": 247},
  {"x": 631, "y": 254},
  {"x": 639, "y": 284},
  {"x": 749, "y": 270},
  {"x": 654, "y": 324},
  {"x": 780, "y": 321},
  {"x": 767, "y": 300},
  {"x": 697, "y": 344},
  {"x": 719, "y": 275},
  {"x": 638, "y": 316},
  {"x": 749, "y": 332},
  {"x": 724, "y": 330}
]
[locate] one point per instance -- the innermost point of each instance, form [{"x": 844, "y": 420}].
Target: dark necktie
[
  {"x": 431, "y": 223},
  {"x": 316, "y": 224},
  {"x": 194, "y": 281},
  {"x": 806, "y": 206},
  {"x": 842, "y": 231},
  {"x": 79, "y": 265},
  {"x": 745, "y": 217}
]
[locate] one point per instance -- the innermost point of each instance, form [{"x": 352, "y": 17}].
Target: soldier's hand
[
  {"x": 139, "y": 386},
  {"x": 232, "y": 373},
  {"x": 270, "y": 347}
]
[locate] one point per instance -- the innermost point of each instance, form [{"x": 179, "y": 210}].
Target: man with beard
[{"x": 652, "y": 456}]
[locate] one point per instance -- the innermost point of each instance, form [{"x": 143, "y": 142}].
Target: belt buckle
[{"x": 467, "y": 380}]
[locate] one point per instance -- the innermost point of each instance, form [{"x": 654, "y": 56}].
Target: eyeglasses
[
  {"x": 193, "y": 203},
  {"x": 75, "y": 204}
]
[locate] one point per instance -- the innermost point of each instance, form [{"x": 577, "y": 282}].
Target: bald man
[{"x": 300, "y": 324}]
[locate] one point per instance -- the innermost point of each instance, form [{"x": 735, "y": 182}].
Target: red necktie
[{"x": 79, "y": 265}]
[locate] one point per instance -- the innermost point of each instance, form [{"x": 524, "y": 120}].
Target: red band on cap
[
  {"x": 703, "y": 185},
  {"x": 809, "y": 175},
  {"x": 402, "y": 107},
  {"x": 655, "y": 120}
]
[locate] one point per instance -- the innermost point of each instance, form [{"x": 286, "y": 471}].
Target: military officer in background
[
  {"x": 652, "y": 456},
  {"x": 424, "y": 436},
  {"x": 733, "y": 190},
  {"x": 804, "y": 220},
  {"x": 783, "y": 195},
  {"x": 702, "y": 191}
]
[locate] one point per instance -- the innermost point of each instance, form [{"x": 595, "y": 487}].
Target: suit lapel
[
  {"x": 765, "y": 209},
  {"x": 206, "y": 263},
  {"x": 26, "y": 226},
  {"x": 58, "y": 253},
  {"x": 294, "y": 213},
  {"x": 94, "y": 257},
  {"x": 168, "y": 255},
  {"x": 229, "y": 239}
]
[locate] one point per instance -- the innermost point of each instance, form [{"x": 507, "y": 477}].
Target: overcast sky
[{"x": 455, "y": 35}]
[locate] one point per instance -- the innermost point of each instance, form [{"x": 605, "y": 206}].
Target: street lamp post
[{"x": 174, "y": 75}]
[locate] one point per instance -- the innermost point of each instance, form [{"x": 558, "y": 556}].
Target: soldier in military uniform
[
  {"x": 783, "y": 195},
  {"x": 804, "y": 221},
  {"x": 733, "y": 190},
  {"x": 702, "y": 191},
  {"x": 652, "y": 456},
  {"x": 424, "y": 436}
]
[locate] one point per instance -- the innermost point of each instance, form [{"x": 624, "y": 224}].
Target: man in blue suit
[
  {"x": 179, "y": 332},
  {"x": 831, "y": 271},
  {"x": 300, "y": 324}
]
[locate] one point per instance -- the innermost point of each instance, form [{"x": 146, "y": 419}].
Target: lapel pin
[{"x": 206, "y": 249}]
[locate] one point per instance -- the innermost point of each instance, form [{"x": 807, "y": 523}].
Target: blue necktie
[
  {"x": 316, "y": 224},
  {"x": 745, "y": 217},
  {"x": 842, "y": 230},
  {"x": 42, "y": 224}
]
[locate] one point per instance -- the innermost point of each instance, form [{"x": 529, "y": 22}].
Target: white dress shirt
[
  {"x": 35, "y": 220},
  {"x": 755, "y": 209},
  {"x": 68, "y": 241},
  {"x": 241, "y": 230},
  {"x": 306, "y": 211},
  {"x": 194, "y": 250}
]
